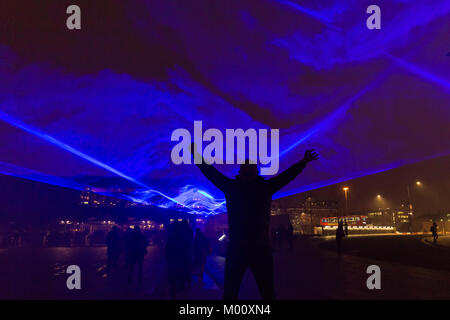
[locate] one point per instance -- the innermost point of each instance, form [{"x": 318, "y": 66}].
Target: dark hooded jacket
[{"x": 248, "y": 203}]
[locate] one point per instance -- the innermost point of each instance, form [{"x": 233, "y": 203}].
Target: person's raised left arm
[{"x": 278, "y": 182}]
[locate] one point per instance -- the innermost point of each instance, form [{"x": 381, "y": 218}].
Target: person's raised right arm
[{"x": 213, "y": 175}]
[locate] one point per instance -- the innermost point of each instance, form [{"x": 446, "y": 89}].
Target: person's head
[
  {"x": 248, "y": 170},
  {"x": 115, "y": 229},
  {"x": 137, "y": 228}
]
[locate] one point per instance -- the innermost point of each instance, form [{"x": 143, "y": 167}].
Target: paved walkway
[
  {"x": 443, "y": 241},
  {"x": 313, "y": 273},
  {"x": 40, "y": 273}
]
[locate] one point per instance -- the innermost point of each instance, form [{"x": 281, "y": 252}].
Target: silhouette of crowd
[
  {"x": 134, "y": 247},
  {"x": 185, "y": 254}
]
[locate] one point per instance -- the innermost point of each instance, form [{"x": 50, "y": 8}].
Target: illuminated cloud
[
  {"x": 346, "y": 39},
  {"x": 106, "y": 103}
]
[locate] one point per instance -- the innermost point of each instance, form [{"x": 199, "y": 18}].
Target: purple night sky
[{"x": 113, "y": 92}]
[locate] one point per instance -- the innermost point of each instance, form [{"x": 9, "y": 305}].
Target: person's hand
[{"x": 310, "y": 155}]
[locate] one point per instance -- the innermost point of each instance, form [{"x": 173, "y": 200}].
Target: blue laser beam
[
  {"x": 309, "y": 12},
  {"x": 339, "y": 112},
  {"x": 18, "y": 124},
  {"x": 182, "y": 199},
  {"x": 419, "y": 71},
  {"x": 192, "y": 197},
  {"x": 28, "y": 174},
  {"x": 21, "y": 125},
  {"x": 206, "y": 194},
  {"x": 407, "y": 65},
  {"x": 13, "y": 170}
]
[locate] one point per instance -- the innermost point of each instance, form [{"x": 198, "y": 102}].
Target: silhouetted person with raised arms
[{"x": 248, "y": 198}]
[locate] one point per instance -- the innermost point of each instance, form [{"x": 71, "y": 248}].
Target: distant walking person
[
  {"x": 186, "y": 254},
  {"x": 345, "y": 228},
  {"x": 290, "y": 235},
  {"x": 114, "y": 247},
  {"x": 137, "y": 249},
  {"x": 126, "y": 246},
  {"x": 173, "y": 257},
  {"x": 340, "y": 234},
  {"x": 248, "y": 199},
  {"x": 178, "y": 256},
  {"x": 433, "y": 230},
  {"x": 281, "y": 235},
  {"x": 201, "y": 250}
]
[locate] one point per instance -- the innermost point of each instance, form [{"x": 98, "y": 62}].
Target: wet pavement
[{"x": 410, "y": 269}]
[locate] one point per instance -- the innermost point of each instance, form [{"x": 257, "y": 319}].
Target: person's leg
[
  {"x": 108, "y": 263},
  {"x": 235, "y": 265},
  {"x": 130, "y": 270},
  {"x": 140, "y": 270},
  {"x": 202, "y": 270},
  {"x": 171, "y": 272},
  {"x": 189, "y": 272},
  {"x": 183, "y": 273},
  {"x": 116, "y": 259},
  {"x": 262, "y": 267}
]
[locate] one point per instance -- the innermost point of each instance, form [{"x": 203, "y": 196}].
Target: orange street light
[{"x": 346, "y": 198}]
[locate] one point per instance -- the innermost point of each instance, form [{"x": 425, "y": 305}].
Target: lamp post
[
  {"x": 411, "y": 212},
  {"x": 346, "y": 199},
  {"x": 418, "y": 183},
  {"x": 308, "y": 206},
  {"x": 382, "y": 206}
]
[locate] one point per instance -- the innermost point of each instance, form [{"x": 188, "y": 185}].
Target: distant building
[
  {"x": 402, "y": 221},
  {"x": 106, "y": 192},
  {"x": 380, "y": 217},
  {"x": 105, "y": 197},
  {"x": 306, "y": 215}
]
